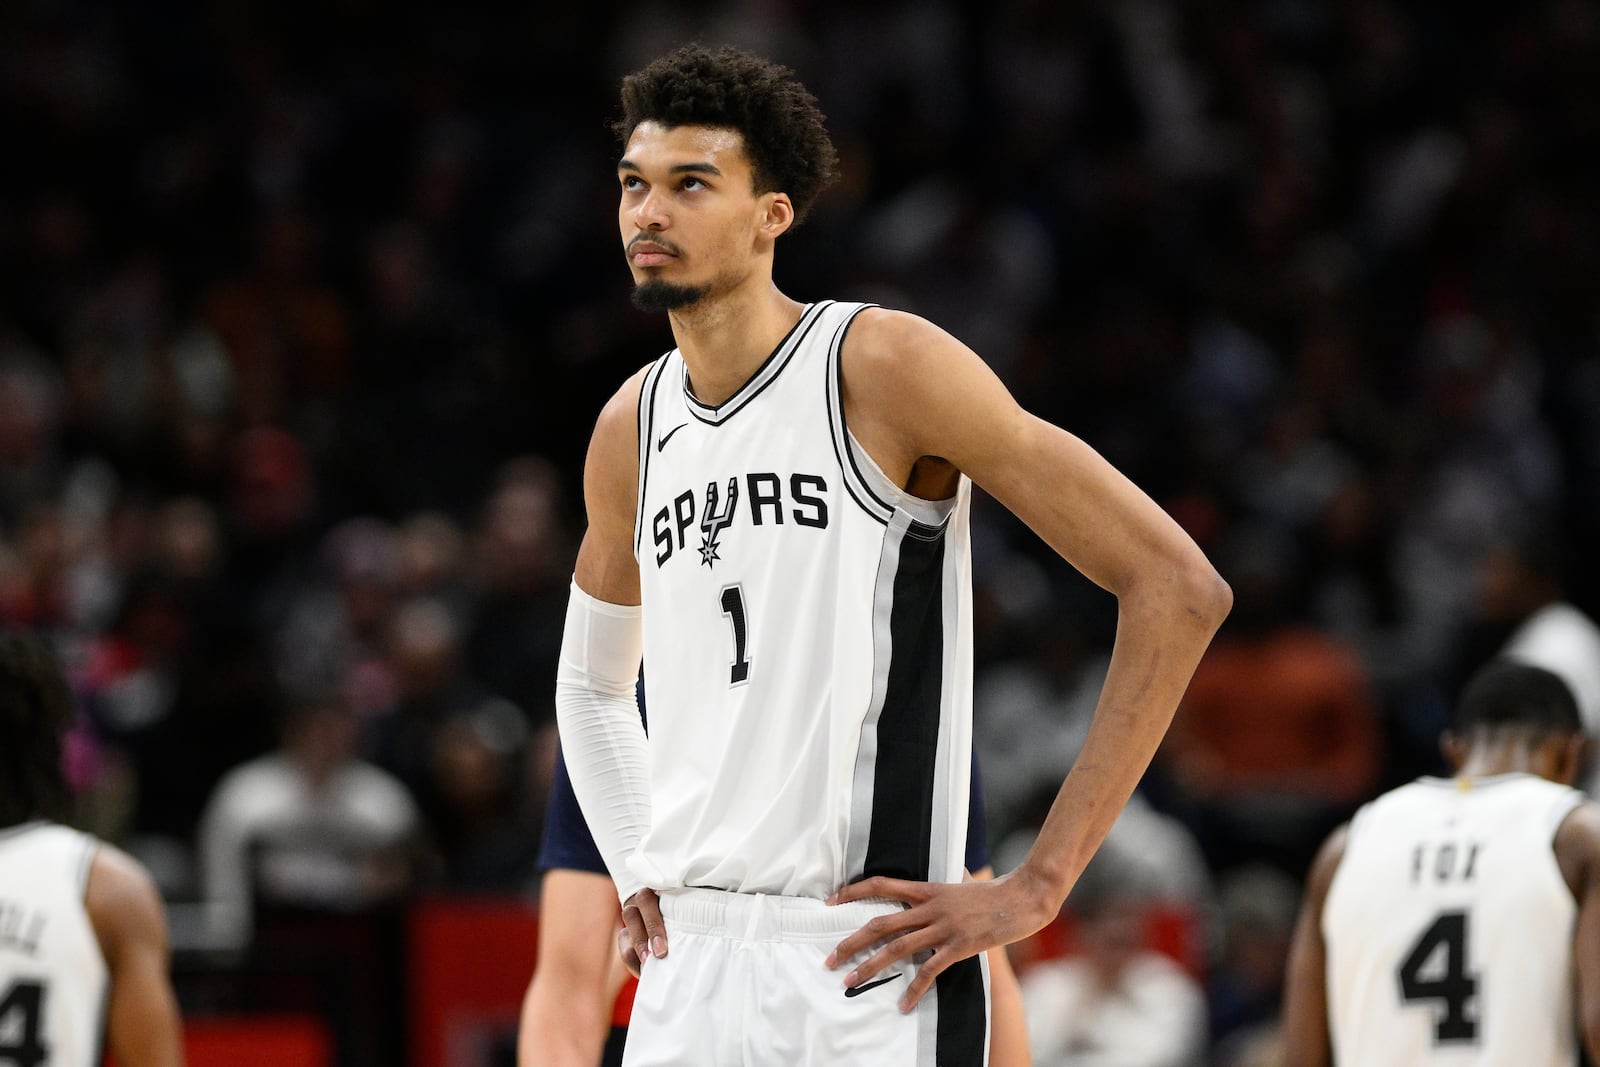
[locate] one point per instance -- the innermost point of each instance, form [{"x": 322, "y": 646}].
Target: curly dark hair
[
  {"x": 784, "y": 132},
  {"x": 35, "y": 710}
]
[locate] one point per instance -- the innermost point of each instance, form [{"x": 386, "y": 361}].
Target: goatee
[{"x": 657, "y": 295}]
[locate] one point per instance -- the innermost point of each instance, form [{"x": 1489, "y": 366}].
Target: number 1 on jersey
[{"x": 732, "y": 601}]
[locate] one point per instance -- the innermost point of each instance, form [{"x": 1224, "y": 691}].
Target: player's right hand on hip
[{"x": 643, "y": 932}]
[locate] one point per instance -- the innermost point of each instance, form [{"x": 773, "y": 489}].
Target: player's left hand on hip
[{"x": 948, "y": 921}]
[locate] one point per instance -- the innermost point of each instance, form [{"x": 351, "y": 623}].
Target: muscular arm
[
  {"x": 925, "y": 408},
  {"x": 606, "y": 568},
  {"x": 607, "y": 771},
  {"x": 566, "y": 1014},
  {"x": 142, "y": 1023},
  {"x": 1305, "y": 1012},
  {"x": 1577, "y": 848}
]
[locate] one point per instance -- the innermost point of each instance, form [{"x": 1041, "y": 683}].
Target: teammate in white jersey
[
  {"x": 83, "y": 944},
  {"x": 1457, "y": 920},
  {"x": 778, "y": 521}
]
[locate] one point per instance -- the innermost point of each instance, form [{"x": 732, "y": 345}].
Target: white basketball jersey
[
  {"x": 52, "y": 973},
  {"x": 807, "y": 638},
  {"x": 1449, "y": 928}
]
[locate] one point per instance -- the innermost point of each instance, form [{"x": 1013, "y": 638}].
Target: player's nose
[{"x": 651, "y": 212}]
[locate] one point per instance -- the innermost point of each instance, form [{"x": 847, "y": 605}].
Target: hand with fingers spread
[
  {"x": 643, "y": 929},
  {"x": 942, "y": 924}
]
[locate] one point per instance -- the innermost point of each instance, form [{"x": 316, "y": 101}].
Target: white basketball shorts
[{"x": 743, "y": 985}]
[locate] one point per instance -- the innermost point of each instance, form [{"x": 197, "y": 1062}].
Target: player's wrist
[{"x": 1043, "y": 887}]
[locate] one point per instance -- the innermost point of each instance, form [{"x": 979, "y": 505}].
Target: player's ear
[
  {"x": 777, "y": 214},
  {"x": 1453, "y": 749}
]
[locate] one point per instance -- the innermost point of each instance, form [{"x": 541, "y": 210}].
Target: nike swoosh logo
[
  {"x": 857, "y": 990},
  {"x": 661, "y": 442}
]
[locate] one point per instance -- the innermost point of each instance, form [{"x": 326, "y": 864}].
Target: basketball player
[
  {"x": 778, "y": 521},
  {"x": 83, "y": 939},
  {"x": 1457, "y": 921},
  {"x": 567, "y": 1014}
]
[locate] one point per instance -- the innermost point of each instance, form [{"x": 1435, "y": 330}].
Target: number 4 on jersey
[
  {"x": 21, "y": 1015},
  {"x": 1423, "y": 976}
]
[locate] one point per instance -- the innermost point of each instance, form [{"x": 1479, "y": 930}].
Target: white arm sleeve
[{"x": 602, "y": 738}]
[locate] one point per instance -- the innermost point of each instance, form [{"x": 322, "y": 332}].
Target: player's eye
[
  {"x": 631, "y": 182},
  {"x": 692, "y": 183}
]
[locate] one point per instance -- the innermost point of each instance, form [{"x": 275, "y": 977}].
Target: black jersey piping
[
  {"x": 839, "y": 434},
  {"x": 905, "y": 770},
  {"x": 764, "y": 376},
  {"x": 963, "y": 1016}
]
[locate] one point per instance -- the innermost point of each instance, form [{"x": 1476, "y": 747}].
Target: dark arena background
[{"x": 307, "y": 311}]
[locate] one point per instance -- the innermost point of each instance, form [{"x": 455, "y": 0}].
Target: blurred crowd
[{"x": 306, "y": 311}]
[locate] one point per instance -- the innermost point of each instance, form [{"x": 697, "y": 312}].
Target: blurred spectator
[
  {"x": 434, "y": 688},
  {"x": 1031, "y": 716},
  {"x": 29, "y": 415},
  {"x": 310, "y": 825},
  {"x": 284, "y": 329},
  {"x": 1156, "y": 867},
  {"x": 487, "y": 812},
  {"x": 37, "y": 594},
  {"x": 433, "y": 562},
  {"x": 337, "y": 626},
  {"x": 1476, "y": 460},
  {"x": 522, "y": 563},
  {"x": 1277, "y": 738},
  {"x": 1258, "y": 908},
  {"x": 1115, "y": 1002},
  {"x": 1523, "y": 611},
  {"x": 269, "y": 510}
]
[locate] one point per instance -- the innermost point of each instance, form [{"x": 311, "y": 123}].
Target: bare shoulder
[
  {"x": 606, "y": 568},
  {"x": 1326, "y": 863},
  {"x": 122, "y": 899},
  {"x": 619, "y": 419},
  {"x": 913, "y": 392},
  {"x": 611, "y": 471},
  {"x": 896, "y": 348},
  {"x": 1577, "y": 847}
]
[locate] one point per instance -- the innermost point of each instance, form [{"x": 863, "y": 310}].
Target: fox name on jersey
[
  {"x": 20, "y": 928},
  {"x": 1445, "y": 861},
  {"x": 764, "y": 502}
]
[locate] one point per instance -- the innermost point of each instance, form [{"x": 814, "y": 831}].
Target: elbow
[
  {"x": 1183, "y": 593},
  {"x": 1207, "y": 598}
]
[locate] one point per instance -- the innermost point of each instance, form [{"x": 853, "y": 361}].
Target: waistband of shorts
[{"x": 763, "y": 917}]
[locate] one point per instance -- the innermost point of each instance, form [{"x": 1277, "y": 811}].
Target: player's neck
[
  {"x": 725, "y": 340},
  {"x": 1506, "y": 756}
]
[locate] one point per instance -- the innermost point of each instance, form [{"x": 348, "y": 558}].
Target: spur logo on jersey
[
  {"x": 760, "y": 500},
  {"x": 713, "y": 522}
]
